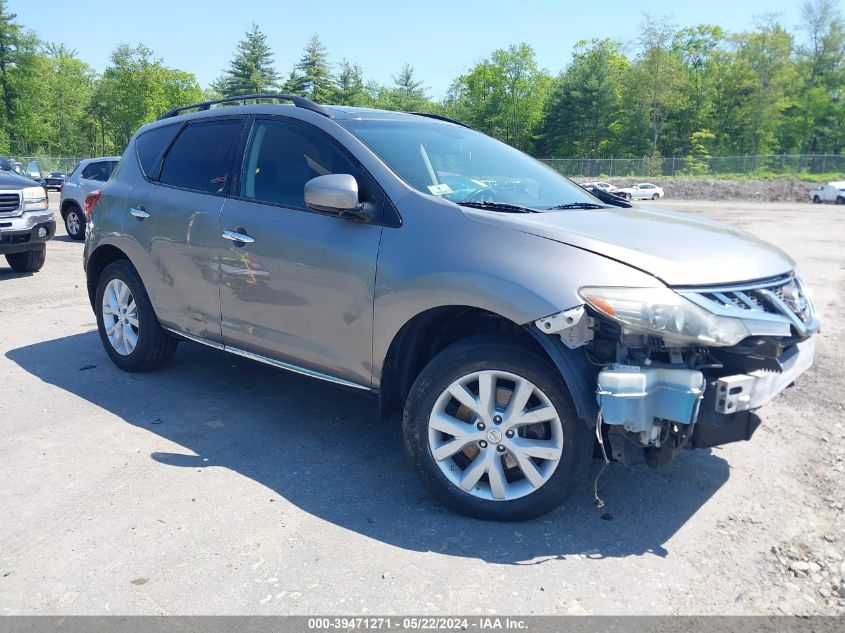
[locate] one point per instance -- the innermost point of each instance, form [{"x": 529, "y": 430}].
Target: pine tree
[
  {"x": 408, "y": 93},
  {"x": 313, "y": 73},
  {"x": 350, "y": 86},
  {"x": 251, "y": 70}
]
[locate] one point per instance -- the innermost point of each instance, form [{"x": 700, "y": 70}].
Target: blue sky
[{"x": 440, "y": 39}]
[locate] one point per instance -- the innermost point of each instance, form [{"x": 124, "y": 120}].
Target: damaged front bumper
[
  {"x": 661, "y": 389},
  {"x": 645, "y": 406}
]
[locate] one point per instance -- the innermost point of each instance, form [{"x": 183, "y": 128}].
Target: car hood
[
  {"x": 678, "y": 248},
  {"x": 11, "y": 180}
]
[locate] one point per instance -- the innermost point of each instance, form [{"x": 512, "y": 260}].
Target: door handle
[
  {"x": 135, "y": 212},
  {"x": 234, "y": 236}
]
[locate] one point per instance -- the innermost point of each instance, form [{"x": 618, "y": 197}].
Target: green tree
[
  {"x": 818, "y": 112},
  {"x": 17, "y": 61},
  {"x": 407, "y": 94},
  {"x": 658, "y": 77},
  {"x": 503, "y": 96},
  {"x": 350, "y": 88},
  {"x": 584, "y": 113},
  {"x": 765, "y": 56},
  {"x": 53, "y": 118},
  {"x": 312, "y": 76},
  {"x": 251, "y": 70},
  {"x": 135, "y": 89},
  {"x": 700, "y": 49}
]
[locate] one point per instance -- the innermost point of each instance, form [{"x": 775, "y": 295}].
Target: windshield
[{"x": 462, "y": 165}]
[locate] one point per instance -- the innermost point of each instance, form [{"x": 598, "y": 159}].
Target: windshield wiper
[
  {"x": 496, "y": 206},
  {"x": 578, "y": 205}
]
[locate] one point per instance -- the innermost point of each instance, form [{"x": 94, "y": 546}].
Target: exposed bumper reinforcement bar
[{"x": 743, "y": 392}]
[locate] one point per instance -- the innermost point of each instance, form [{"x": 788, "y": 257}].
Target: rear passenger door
[
  {"x": 301, "y": 289},
  {"x": 173, "y": 220}
]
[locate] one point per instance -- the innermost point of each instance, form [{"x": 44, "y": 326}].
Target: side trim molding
[{"x": 269, "y": 361}]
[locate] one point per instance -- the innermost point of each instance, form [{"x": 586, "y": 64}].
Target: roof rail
[
  {"x": 299, "y": 102},
  {"x": 440, "y": 117}
]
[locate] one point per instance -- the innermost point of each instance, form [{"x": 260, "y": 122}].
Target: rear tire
[
  {"x": 75, "y": 223},
  {"x": 656, "y": 196},
  {"x": 840, "y": 200},
  {"x": 28, "y": 261},
  {"x": 515, "y": 495},
  {"x": 152, "y": 346}
]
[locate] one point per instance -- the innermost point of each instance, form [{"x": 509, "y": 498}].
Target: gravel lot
[{"x": 219, "y": 485}]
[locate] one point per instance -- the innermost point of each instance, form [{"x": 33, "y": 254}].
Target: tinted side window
[
  {"x": 282, "y": 157},
  {"x": 99, "y": 170},
  {"x": 199, "y": 159},
  {"x": 151, "y": 147}
]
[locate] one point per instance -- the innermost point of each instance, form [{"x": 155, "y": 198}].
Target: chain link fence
[
  {"x": 651, "y": 167},
  {"x": 47, "y": 164},
  {"x": 763, "y": 164}
]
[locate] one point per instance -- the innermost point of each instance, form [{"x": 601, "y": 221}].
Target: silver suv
[
  {"x": 517, "y": 321},
  {"x": 88, "y": 175}
]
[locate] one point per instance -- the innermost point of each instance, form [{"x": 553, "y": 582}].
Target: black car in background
[{"x": 55, "y": 180}]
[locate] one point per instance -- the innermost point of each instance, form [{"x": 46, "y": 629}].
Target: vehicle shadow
[
  {"x": 326, "y": 450},
  {"x": 6, "y": 272}
]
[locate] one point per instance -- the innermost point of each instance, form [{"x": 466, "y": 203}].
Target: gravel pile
[{"x": 781, "y": 190}]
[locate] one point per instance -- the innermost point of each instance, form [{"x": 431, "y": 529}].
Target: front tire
[
  {"x": 75, "y": 223},
  {"x": 28, "y": 261},
  {"x": 492, "y": 431},
  {"x": 129, "y": 330},
  {"x": 817, "y": 200}
]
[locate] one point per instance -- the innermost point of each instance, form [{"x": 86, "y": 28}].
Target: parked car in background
[
  {"x": 641, "y": 191},
  {"x": 26, "y": 221},
  {"x": 32, "y": 170},
  {"x": 600, "y": 184},
  {"x": 55, "y": 180},
  {"x": 831, "y": 192},
  {"x": 88, "y": 175},
  {"x": 513, "y": 317}
]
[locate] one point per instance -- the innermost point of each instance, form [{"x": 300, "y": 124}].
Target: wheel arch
[
  {"x": 66, "y": 205},
  {"x": 429, "y": 332},
  {"x": 101, "y": 257}
]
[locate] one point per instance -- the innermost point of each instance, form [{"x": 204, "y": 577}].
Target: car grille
[
  {"x": 782, "y": 298},
  {"x": 10, "y": 203}
]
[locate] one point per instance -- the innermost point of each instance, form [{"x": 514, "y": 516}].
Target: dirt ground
[{"x": 221, "y": 486}]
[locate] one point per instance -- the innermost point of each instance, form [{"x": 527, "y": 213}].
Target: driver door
[{"x": 300, "y": 286}]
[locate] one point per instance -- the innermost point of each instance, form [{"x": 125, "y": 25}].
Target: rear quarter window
[
  {"x": 151, "y": 147},
  {"x": 199, "y": 158}
]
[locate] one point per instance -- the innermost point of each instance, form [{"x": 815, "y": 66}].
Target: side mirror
[
  {"x": 338, "y": 193},
  {"x": 332, "y": 193}
]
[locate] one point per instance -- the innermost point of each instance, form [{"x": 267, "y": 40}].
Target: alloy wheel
[
  {"x": 495, "y": 435},
  {"x": 73, "y": 223},
  {"x": 120, "y": 317}
]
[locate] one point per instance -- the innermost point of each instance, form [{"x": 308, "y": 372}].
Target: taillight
[{"x": 90, "y": 200}]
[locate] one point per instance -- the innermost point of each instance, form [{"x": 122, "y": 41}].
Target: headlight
[
  {"x": 666, "y": 314},
  {"x": 34, "y": 199}
]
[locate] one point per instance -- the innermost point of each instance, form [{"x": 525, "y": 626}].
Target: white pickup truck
[{"x": 831, "y": 192}]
